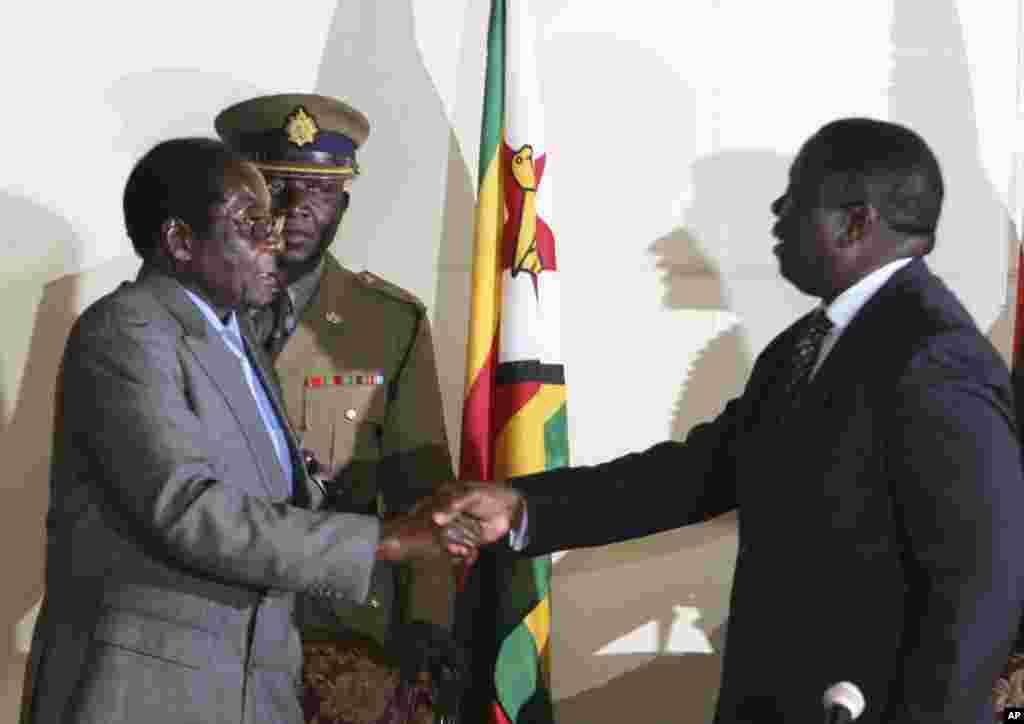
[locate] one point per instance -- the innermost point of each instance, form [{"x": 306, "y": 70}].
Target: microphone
[{"x": 843, "y": 703}]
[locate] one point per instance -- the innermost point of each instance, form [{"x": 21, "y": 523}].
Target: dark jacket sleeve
[
  {"x": 667, "y": 486},
  {"x": 955, "y": 470}
]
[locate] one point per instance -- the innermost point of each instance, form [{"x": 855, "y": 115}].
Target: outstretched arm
[{"x": 666, "y": 486}]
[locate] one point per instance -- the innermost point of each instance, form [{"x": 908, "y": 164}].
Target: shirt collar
[
  {"x": 231, "y": 326},
  {"x": 844, "y": 308}
]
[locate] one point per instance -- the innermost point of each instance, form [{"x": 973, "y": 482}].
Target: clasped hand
[{"x": 456, "y": 520}]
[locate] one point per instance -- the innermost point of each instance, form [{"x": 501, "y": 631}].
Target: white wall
[{"x": 670, "y": 127}]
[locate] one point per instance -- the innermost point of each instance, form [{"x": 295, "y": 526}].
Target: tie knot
[{"x": 818, "y": 324}]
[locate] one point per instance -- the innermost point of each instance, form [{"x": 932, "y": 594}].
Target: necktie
[
  {"x": 283, "y": 325},
  {"x": 814, "y": 328},
  {"x": 262, "y": 324}
]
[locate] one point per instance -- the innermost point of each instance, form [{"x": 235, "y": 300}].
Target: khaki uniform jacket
[
  {"x": 174, "y": 543},
  {"x": 360, "y": 384}
]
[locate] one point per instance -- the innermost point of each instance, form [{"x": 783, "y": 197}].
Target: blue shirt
[{"x": 232, "y": 336}]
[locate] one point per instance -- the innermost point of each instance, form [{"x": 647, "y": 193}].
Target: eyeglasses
[{"x": 263, "y": 232}]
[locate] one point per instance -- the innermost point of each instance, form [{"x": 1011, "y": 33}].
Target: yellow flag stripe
[
  {"x": 538, "y": 621},
  {"x": 486, "y": 293},
  {"x": 519, "y": 448}
]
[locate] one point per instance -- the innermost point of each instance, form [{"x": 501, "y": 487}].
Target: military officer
[{"x": 353, "y": 353}]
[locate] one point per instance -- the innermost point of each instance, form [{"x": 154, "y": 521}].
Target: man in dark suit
[
  {"x": 872, "y": 457},
  {"x": 182, "y": 521}
]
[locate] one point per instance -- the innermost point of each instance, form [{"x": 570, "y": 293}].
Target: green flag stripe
[
  {"x": 523, "y": 584},
  {"x": 517, "y": 681},
  {"x": 556, "y": 439},
  {"x": 494, "y": 89}
]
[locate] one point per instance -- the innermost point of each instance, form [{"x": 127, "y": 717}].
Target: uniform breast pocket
[{"x": 343, "y": 427}]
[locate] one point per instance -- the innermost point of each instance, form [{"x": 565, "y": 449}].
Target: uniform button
[
  {"x": 373, "y": 603},
  {"x": 350, "y": 414}
]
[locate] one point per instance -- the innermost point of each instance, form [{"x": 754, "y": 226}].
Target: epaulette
[{"x": 372, "y": 281}]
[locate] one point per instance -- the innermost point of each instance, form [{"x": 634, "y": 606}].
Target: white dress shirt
[{"x": 845, "y": 307}]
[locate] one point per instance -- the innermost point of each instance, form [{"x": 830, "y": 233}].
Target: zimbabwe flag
[{"x": 514, "y": 415}]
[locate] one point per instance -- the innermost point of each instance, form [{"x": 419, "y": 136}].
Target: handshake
[{"x": 457, "y": 519}]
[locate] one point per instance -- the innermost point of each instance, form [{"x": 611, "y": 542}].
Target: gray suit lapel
[
  {"x": 261, "y": 363},
  {"x": 226, "y": 373}
]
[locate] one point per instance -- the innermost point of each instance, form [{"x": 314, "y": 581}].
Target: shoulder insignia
[{"x": 394, "y": 291}]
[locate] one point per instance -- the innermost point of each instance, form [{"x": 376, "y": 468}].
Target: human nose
[
  {"x": 276, "y": 240},
  {"x": 273, "y": 243},
  {"x": 297, "y": 199},
  {"x": 776, "y": 206}
]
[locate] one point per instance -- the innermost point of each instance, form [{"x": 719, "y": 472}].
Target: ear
[
  {"x": 177, "y": 240},
  {"x": 861, "y": 221}
]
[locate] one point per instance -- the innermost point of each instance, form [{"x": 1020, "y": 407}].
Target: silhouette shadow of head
[
  {"x": 974, "y": 221},
  {"x": 720, "y": 263}
]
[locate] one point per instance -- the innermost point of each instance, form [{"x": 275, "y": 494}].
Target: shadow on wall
[
  {"x": 451, "y": 310},
  {"x": 931, "y": 92},
  {"x": 1002, "y": 330},
  {"x": 693, "y": 282},
  {"x": 38, "y": 316},
  {"x": 371, "y": 58},
  {"x": 666, "y": 689},
  {"x": 692, "y": 566},
  {"x": 656, "y": 635},
  {"x": 146, "y": 122}
]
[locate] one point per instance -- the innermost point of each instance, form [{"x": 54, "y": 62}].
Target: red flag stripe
[
  {"x": 477, "y": 459},
  {"x": 510, "y": 399}
]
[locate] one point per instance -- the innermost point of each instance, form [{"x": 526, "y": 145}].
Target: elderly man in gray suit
[{"x": 182, "y": 520}]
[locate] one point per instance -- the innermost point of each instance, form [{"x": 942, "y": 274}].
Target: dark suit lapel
[
  {"x": 226, "y": 373},
  {"x": 873, "y": 327}
]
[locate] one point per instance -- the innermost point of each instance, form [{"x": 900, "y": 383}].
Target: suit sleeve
[
  {"x": 667, "y": 486},
  {"x": 416, "y": 459},
  {"x": 956, "y": 475},
  {"x": 127, "y": 403}
]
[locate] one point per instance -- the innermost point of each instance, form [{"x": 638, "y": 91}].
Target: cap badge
[{"x": 300, "y": 127}]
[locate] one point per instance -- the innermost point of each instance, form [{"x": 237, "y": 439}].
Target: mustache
[{"x": 307, "y": 228}]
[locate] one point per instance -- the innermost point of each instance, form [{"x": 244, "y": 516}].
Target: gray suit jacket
[{"x": 174, "y": 546}]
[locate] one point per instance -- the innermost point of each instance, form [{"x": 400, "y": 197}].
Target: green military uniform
[{"x": 360, "y": 385}]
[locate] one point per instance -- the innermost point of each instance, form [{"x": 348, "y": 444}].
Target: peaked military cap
[{"x": 296, "y": 133}]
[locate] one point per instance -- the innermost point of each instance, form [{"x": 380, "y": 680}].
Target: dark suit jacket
[
  {"x": 880, "y": 536},
  {"x": 174, "y": 544}
]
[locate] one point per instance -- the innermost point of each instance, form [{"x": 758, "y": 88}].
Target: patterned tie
[{"x": 815, "y": 327}]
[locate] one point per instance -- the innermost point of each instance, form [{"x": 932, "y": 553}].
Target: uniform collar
[{"x": 304, "y": 288}]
